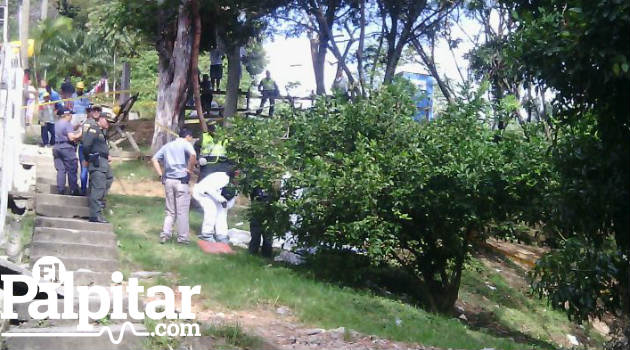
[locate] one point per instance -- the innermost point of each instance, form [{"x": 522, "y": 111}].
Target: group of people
[
  {"x": 215, "y": 190},
  {"x": 211, "y": 83},
  {"x": 86, "y": 143},
  {"x": 76, "y": 130}
]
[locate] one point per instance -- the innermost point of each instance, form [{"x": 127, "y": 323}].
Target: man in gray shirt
[{"x": 178, "y": 158}]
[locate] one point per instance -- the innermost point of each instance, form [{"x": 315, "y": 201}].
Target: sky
[{"x": 289, "y": 60}]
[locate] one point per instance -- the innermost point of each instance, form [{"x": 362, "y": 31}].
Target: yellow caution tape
[{"x": 168, "y": 130}]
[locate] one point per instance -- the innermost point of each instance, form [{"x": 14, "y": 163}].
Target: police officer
[
  {"x": 269, "y": 90},
  {"x": 96, "y": 151},
  {"x": 65, "y": 153},
  {"x": 93, "y": 113}
]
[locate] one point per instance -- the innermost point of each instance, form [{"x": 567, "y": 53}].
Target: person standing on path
[
  {"x": 65, "y": 153},
  {"x": 81, "y": 103},
  {"x": 178, "y": 158},
  {"x": 93, "y": 114},
  {"x": 259, "y": 198},
  {"x": 216, "y": 68},
  {"x": 216, "y": 196},
  {"x": 269, "y": 90},
  {"x": 47, "y": 120},
  {"x": 96, "y": 151}
]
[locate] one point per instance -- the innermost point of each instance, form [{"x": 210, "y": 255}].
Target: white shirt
[{"x": 212, "y": 185}]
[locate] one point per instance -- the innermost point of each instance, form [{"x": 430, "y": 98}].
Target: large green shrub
[{"x": 417, "y": 195}]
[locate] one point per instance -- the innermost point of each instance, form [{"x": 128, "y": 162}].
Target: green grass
[
  {"x": 515, "y": 311},
  {"x": 242, "y": 281},
  {"x": 27, "y": 224},
  {"x": 28, "y": 221},
  {"x": 233, "y": 335}
]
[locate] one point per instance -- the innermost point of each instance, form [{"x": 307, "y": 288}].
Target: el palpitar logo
[{"x": 51, "y": 277}]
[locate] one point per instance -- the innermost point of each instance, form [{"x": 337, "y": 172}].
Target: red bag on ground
[{"x": 214, "y": 247}]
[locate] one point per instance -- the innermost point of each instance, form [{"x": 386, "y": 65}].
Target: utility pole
[
  {"x": 44, "y": 11},
  {"x": 25, "y": 10}
]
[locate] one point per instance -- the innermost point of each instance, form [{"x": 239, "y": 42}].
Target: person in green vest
[
  {"x": 207, "y": 141},
  {"x": 269, "y": 90}
]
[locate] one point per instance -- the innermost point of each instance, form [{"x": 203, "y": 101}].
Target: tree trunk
[
  {"x": 125, "y": 83},
  {"x": 44, "y": 10},
  {"x": 174, "y": 52},
  {"x": 194, "y": 65},
  {"x": 318, "y": 55},
  {"x": 233, "y": 82},
  {"x": 360, "y": 49},
  {"x": 430, "y": 63},
  {"x": 24, "y": 12}
]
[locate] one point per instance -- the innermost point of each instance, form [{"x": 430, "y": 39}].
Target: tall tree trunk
[
  {"x": 25, "y": 12},
  {"x": 430, "y": 63},
  {"x": 174, "y": 51},
  {"x": 318, "y": 55},
  {"x": 44, "y": 10},
  {"x": 194, "y": 65},
  {"x": 360, "y": 49},
  {"x": 233, "y": 82}
]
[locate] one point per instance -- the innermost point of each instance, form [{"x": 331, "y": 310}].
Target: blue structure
[{"x": 424, "y": 98}]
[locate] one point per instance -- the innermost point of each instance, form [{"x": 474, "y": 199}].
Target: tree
[
  {"x": 317, "y": 18},
  {"x": 415, "y": 195},
  {"x": 75, "y": 53},
  {"x": 404, "y": 20},
  {"x": 580, "y": 50},
  {"x": 240, "y": 24}
]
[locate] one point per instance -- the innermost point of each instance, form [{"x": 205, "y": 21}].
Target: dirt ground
[
  {"x": 279, "y": 329},
  {"x": 134, "y": 188}
]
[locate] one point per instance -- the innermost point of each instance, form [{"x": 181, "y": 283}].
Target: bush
[{"x": 415, "y": 195}]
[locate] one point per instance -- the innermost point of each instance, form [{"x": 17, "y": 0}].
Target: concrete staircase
[{"x": 88, "y": 249}]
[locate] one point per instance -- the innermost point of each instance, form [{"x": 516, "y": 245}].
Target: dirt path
[{"x": 281, "y": 330}]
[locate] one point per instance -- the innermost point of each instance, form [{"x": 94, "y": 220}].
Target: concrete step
[
  {"x": 74, "y": 250},
  {"x": 61, "y": 200},
  {"x": 45, "y": 180},
  {"x": 128, "y": 341},
  {"x": 63, "y": 235},
  {"x": 90, "y": 278},
  {"x": 92, "y": 264},
  {"x": 72, "y": 224},
  {"x": 58, "y": 211},
  {"x": 40, "y": 159}
]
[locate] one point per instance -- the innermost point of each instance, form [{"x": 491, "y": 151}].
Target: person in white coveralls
[{"x": 216, "y": 195}]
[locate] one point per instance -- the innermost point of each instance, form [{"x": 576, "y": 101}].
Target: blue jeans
[
  {"x": 48, "y": 129},
  {"x": 84, "y": 170}
]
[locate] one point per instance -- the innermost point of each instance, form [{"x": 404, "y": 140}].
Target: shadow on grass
[
  {"x": 488, "y": 322},
  {"x": 348, "y": 269}
]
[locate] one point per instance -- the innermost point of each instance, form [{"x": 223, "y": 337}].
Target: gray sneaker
[
  {"x": 208, "y": 237},
  {"x": 222, "y": 238}
]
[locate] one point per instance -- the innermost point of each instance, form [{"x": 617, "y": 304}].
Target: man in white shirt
[{"x": 216, "y": 197}]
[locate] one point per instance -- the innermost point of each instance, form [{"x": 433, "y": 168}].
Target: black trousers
[
  {"x": 257, "y": 233},
  {"x": 267, "y": 95}
]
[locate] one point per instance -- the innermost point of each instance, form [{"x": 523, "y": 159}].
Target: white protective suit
[{"x": 208, "y": 193}]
